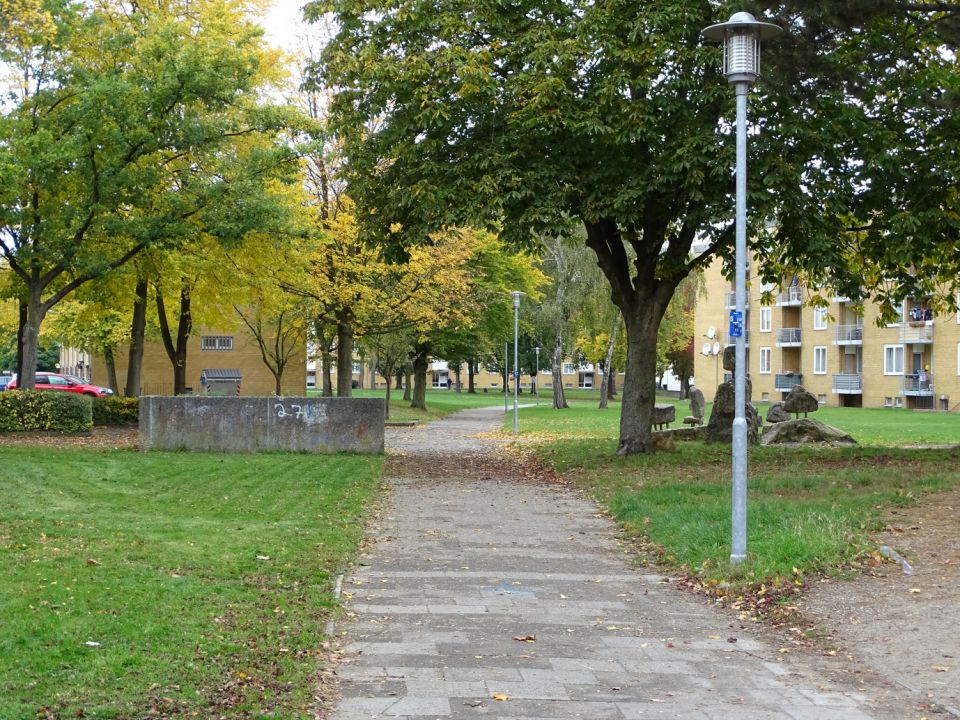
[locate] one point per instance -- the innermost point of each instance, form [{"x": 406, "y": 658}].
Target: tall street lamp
[
  {"x": 516, "y": 295},
  {"x": 740, "y": 36}
]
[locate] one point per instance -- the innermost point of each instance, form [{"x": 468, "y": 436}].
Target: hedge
[
  {"x": 116, "y": 410},
  {"x": 36, "y": 410}
]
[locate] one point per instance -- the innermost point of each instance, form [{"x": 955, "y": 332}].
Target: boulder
[
  {"x": 697, "y": 404},
  {"x": 664, "y": 414},
  {"x": 730, "y": 358},
  {"x": 800, "y": 400},
  {"x": 720, "y": 426},
  {"x": 805, "y": 431},
  {"x": 777, "y": 414}
]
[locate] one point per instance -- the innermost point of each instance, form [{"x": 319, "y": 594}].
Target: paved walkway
[{"x": 487, "y": 597}]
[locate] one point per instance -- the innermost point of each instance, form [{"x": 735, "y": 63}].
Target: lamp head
[{"x": 740, "y": 37}]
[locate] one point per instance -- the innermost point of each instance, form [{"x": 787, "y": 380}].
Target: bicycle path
[{"x": 486, "y": 596}]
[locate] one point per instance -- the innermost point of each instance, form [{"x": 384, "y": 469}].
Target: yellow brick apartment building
[{"x": 839, "y": 354}]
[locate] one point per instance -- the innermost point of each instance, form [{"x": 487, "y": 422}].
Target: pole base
[{"x": 737, "y": 559}]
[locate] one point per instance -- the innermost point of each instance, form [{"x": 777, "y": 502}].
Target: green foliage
[
  {"x": 34, "y": 410},
  {"x": 116, "y": 410},
  {"x": 206, "y": 579}
]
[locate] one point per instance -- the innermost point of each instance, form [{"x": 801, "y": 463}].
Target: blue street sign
[
  {"x": 516, "y": 374},
  {"x": 736, "y": 323}
]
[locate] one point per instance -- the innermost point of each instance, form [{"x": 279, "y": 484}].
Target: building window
[
  {"x": 888, "y": 402},
  {"x": 216, "y": 342},
  {"x": 567, "y": 369},
  {"x": 819, "y": 318},
  {"x": 822, "y": 399},
  {"x": 820, "y": 360},
  {"x": 898, "y": 402},
  {"x": 765, "y": 397},
  {"x": 765, "y": 355},
  {"x": 893, "y": 359},
  {"x": 765, "y": 319},
  {"x": 356, "y": 368}
]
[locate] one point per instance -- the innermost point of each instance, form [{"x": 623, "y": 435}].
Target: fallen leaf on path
[
  {"x": 501, "y": 697},
  {"x": 525, "y": 638},
  {"x": 942, "y": 668}
]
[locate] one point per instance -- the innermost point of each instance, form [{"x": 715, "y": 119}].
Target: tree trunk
[
  {"x": 420, "y": 366},
  {"x": 326, "y": 372},
  {"x": 607, "y": 365},
  {"x": 111, "y": 367},
  {"x": 344, "y": 356},
  {"x": 639, "y": 389},
  {"x": 386, "y": 407},
  {"x": 471, "y": 376},
  {"x": 556, "y": 369},
  {"x": 612, "y": 386},
  {"x": 30, "y": 339},
  {"x": 459, "y": 381},
  {"x": 177, "y": 351},
  {"x": 138, "y": 330},
  {"x": 18, "y": 369},
  {"x": 407, "y": 384}
]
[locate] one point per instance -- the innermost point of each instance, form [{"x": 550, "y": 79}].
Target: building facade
[
  {"x": 837, "y": 352},
  {"x": 218, "y": 362}
]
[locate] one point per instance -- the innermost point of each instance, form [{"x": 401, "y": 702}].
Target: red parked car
[{"x": 65, "y": 383}]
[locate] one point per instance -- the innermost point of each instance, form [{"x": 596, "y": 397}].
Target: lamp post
[
  {"x": 536, "y": 376},
  {"x": 516, "y": 294},
  {"x": 740, "y": 36}
]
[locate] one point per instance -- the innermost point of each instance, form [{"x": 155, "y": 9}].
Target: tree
[
  {"x": 616, "y": 116},
  {"x": 118, "y": 133},
  {"x": 675, "y": 337}
]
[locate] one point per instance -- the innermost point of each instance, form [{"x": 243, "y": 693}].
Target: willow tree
[{"x": 615, "y": 115}]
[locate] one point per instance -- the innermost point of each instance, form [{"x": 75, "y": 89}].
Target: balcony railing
[
  {"x": 916, "y": 331},
  {"x": 848, "y": 384},
  {"x": 793, "y": 295},
  {"x": 789, "y": 337},
  {"x": 918, "y": 384},
  {"x": 848, "y": 334},
  {"x": 786, "y": 381}
]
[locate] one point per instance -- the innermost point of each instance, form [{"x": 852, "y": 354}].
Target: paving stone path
[{"x": 486, "y": 597}]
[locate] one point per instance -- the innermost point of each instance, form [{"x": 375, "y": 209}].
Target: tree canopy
[{"x": 531, "y": 115}]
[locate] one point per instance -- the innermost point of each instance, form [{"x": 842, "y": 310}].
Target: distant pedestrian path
[{"x": 488, "y": 597}]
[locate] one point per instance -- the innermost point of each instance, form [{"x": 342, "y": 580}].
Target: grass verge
[
  {"x": 171, "y": 583},
  {"x": 810, "y": 509}
]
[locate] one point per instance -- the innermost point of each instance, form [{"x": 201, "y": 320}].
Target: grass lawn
[
  {"x": 439, "y": 403},
  {"x": 810, "y": 510},
  {"x": 185, "y": 584}
]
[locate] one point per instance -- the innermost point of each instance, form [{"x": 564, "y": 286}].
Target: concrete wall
[{"x": 257, "y": 424}]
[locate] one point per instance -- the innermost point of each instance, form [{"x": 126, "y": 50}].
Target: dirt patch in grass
[{"x": 903, "y": 628}]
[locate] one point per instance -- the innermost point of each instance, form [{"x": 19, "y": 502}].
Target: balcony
[
  {"x": 848, "y": 334},
  {"x": 786, "y": 381},
  {"x": 789, "y": 337},
  {"x": 920, "y": 384},
  {"x": 848, "y": 384},
  {"x": 916, "y": 332},
  {"x": 793, "y": 295}
]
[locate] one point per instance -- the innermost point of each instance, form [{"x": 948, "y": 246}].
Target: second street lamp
[{"x": 740, "y": 36}]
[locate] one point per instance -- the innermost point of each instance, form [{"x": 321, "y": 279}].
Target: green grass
[
  {"x": 810, "y": 510},
  {"x": 206, "y": 579}
]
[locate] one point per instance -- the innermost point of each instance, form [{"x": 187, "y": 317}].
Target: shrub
[
  {"x": 116, "y": 410},
  {"x": 35, "y": 410}
]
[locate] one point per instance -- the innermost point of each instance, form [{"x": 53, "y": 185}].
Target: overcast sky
[{"x": 284, "y": 22}]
